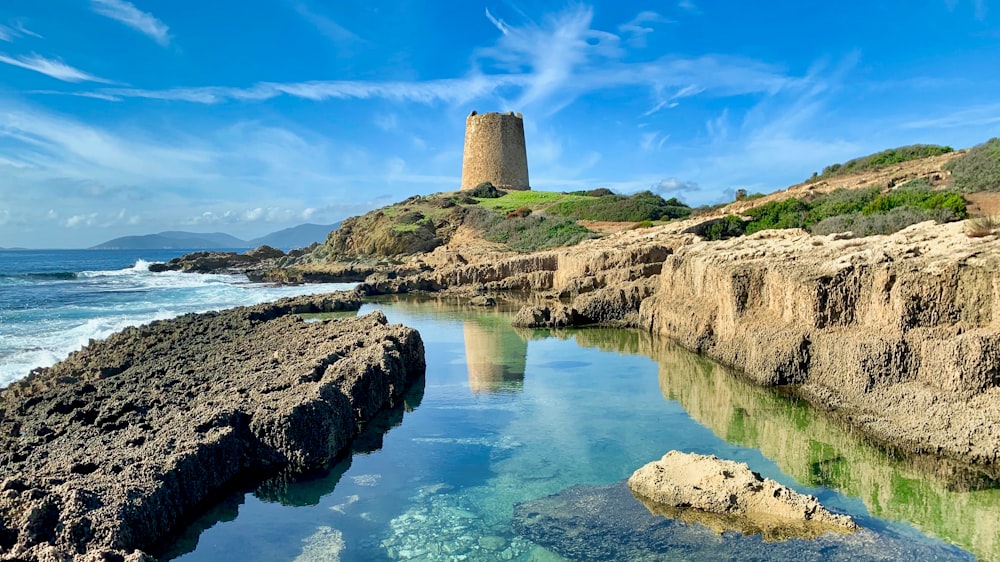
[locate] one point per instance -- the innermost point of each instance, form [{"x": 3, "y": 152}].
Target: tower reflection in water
[{"x": 495, "y": 355}]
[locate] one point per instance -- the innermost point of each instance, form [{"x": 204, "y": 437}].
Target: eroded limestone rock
[
  {"x": 727, "y": 495},
  {"x": 105, "y": 452}
]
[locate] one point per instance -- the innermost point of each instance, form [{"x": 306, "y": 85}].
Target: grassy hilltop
[{"x": 876, "y": 194}]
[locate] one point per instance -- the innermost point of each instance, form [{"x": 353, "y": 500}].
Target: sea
[
  {"x": 53, "y": 302},
  {"x": 516, "y": 443}
]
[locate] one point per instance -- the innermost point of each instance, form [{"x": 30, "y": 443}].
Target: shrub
[
  {"x": 883, "y": 159},
  {"x": 787, "y": 213},
  {"x": 982, "y": 226},
  {"x": 884, "y": 223},
  {"x": 643, "y": 224},
  {"x": 742, "y": 195},
  {"x": 486, "y": 190},
  {"x": 519, "y": 212},
  {"x": 729, "y": 226},
  {"x": 526, "y": 233},
  {"x": 621, "y": 208},
  {"x": 599, "y": 192},
  {"x": 979, "y": 169}
]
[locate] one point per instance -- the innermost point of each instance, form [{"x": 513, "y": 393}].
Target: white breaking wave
[{"x": 111, "y": 301}]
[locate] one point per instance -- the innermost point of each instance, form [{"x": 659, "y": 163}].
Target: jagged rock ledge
[
  {"x": 109, "y": 450},
  {"x": 727, "y": 495}
]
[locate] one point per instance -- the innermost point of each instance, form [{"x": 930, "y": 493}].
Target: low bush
[
  {"x": 486, "y": 190},
  {"x": 519, "y": 212},
  {"x": 882, "y": 159},
  {"x": 978, "y": 170},
  {"x": 982, "y": 226},
  {"x": 599, "y": 192},
  {"x": 865, "y": 212},
  {"x": 891, "y": 221},
  {"x": 526, "y": 233},
  {"x": 621, "y": 208}
]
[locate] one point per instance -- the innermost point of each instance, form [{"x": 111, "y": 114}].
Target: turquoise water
[{"x": 505, "y": 417}]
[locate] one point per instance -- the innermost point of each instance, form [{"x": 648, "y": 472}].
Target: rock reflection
[{"x": 945, "y": 499}]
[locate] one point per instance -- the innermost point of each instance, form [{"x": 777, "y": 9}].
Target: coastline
[{"x": 895, "y": 335}]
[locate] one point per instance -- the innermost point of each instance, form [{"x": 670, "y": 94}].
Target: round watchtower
[{"x": 494, "y": 151}]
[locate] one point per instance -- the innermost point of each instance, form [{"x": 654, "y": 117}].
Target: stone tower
[{"x": 494, "y": 151}]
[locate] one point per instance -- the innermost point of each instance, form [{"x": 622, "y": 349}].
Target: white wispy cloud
[
  {"x": 10, "y": 32},
  {"x": 638, "y": 28},
  {"x": 688, "y": 6},
  {"x": 543, "y": 66},
  {"x": 327, "y": 26},
  {"x": 971, "y": 116},
  {"x": 128, "y": 14},
  {"x": 53, "y": 68},
  {"x": 497, "y": 22},
  {"x": 457, "y": 90}
]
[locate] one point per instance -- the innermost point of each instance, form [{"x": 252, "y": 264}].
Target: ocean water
[
  {"x": 489, "y": 454},
  {"x": 52, "y": 302}
]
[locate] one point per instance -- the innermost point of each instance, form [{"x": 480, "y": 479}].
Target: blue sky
[{"x": 121, "y": 117}]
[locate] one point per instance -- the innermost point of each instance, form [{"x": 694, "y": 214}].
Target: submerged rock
[
  {"x": 111, "y": 449},
  {"x": 682, "y": 483},
  {"x": 599, "y": 523}
]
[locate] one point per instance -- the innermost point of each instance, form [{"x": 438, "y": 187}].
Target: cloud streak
[
  {"x": 52, "y": 68},
  {"x": 128, "y": 14}
]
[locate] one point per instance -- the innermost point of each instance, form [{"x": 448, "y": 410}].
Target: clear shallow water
[
  {"x": 506, "y": 416},
  {"x": 52, "y": 302}
]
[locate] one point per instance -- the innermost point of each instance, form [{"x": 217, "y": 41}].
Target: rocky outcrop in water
[
  {"x": 744, "y": 500},
  {"x": 221, "y": 262},
  {"x": 607, "y": 523},
  {"x": 105, "y": 452}
]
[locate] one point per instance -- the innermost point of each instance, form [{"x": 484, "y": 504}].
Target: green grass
[
  {"x": 596, "y": 205},
  {"x": 534, "y": 200}
]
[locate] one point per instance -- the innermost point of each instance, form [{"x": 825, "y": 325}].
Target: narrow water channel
[{"x": 516, "y": 444}]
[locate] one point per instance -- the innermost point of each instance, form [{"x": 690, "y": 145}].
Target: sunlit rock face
[{"x": 728, "y": 496}]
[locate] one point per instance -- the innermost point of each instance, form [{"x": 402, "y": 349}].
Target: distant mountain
[
  {"x": 214, "y": 239},
  {"x": 296, "y": 236},
  {"x": 287, "y": 239}
]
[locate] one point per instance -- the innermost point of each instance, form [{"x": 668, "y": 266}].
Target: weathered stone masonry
[{"x": 495, "y": 151}]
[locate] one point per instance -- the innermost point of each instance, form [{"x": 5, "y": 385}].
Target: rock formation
[
  {"x": 599, "y": 523},
  {"x": 898, "y": 335},
  {"x": 743, "y": 500},
  {"x": 105, "y": 452}
]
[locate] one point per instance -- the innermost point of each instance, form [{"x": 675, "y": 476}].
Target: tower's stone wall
[{"x": 494, "y": 151}]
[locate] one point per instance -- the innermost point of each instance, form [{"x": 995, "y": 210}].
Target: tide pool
[{"x": 508, "y": 420}]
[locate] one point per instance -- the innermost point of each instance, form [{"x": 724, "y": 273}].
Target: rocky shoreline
[
  {"x": 113, "y": 448},
  {"x": 896, "y": 335}
]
